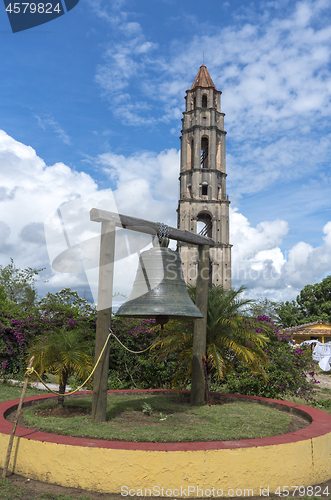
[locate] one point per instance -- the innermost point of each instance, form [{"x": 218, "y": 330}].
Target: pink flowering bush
[
  {"x": 15, "y": 335},
  {"x": 129, "y": 370},
  {"x": 290, "y": 371}
]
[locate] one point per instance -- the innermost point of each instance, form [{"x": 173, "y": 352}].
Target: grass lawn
[
  {"x": 158, "y": 415},
  {"x": 323, "y": 400},
  {"x": 10, "y": 391},
  {"x": 162, "y": 418}
]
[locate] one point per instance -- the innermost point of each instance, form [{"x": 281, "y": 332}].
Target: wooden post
[
  {"x": 105, "y": 293},
  {"x": 200, "y": 325},
  {"x": 18, "y": 412},
  {"x": 200, "y": 328}
]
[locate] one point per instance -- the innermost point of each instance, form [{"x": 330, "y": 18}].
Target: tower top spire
[{"x": 203, "y": 79}]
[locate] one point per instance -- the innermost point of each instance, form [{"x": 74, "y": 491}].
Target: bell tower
[{"x": 203, "y": 206}]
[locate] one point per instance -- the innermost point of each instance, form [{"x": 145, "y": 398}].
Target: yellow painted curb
[{"x": 252, "y": 466}]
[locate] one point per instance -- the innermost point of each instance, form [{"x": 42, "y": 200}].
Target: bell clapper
[{"x": 161, "y": 320}]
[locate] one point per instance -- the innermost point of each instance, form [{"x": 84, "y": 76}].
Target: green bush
[
  {"x": 137, "y": 370},
  {"x": 287, "y": 370}
]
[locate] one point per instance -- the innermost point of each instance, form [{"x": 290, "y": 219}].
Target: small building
[{"x": 317, "y": 330}]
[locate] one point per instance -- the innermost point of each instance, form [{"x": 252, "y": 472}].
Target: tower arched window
[
  {"x": 204, "y": 101},
  {"x": 218, "y": 153},
  {"x": 192, "y": 153},
  {"x": 204, "y": 152},
  {"x": 204, "y": 224}
]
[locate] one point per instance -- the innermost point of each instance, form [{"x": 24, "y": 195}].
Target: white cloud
[
  {"x": 145, "y": 180},
  {"x": 145, "y": 186},
  {"x": 32, "y": 193},
  {"x": 49, "y": 121},
  {"x": 270, "y": 70},
  {"x": 274, "y": 71},
  {"x": 249, "y": 240},
  {"x": 31, "y": 190},
  {"x": 259, "y": 263},
  {"x": 147, "y": 183}
]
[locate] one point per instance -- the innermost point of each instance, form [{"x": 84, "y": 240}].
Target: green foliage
[
  {"x": 130, "y": 370},
  {"x": 230, "y": 335},
  {"x": 147, "y": 408},
  {"x": 67, "y": 346},
  {"x": 264, "y": 307},
  {"x": 4, "y": 301},
  {"x": 19, "y": 284},
  {"x": 312, "y": 304},
  {"x": 67, "y": 302},
  {"x": 63, "y": 353},
  {"x": 322, "y": 403},
  {"x": 9, "y": 308},
  {"x": 315, "y": 300},
  {"x": 290, "y": 314},
  {"x": 67, "y": 311},
  {"x": 15, "y": 335},
  {"x": 20, "y": 327},
  {"x": 288, "y": 370},
  {"x": 172, "y": 419}
]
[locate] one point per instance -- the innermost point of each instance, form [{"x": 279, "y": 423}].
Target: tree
[
  {"x": 315, "y": 301},
  {"x": 231, "y": 335},
  {"x": 65, "y": 309},
  {"x": 67, "y": 346},
  {"x": 5, "y": 304},
  {"x": 63, "y": 353},
  {"x": 312, "y": 304},
  {"x": 67, "y": 302},
  {"x": 290, "y": 314},
  {"x": 19, "y": 284},
  {"x": 265, "y": 307}
]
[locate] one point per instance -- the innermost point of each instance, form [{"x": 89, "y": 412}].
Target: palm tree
[
  {"x": 63, "y": 353},
  {"x": 231, "y": 335}
]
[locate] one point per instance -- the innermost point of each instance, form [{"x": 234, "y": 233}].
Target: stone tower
[{"x": 202, "y": 178}]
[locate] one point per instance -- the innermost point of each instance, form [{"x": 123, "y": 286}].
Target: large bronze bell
[{"x": 159, "y": 290}]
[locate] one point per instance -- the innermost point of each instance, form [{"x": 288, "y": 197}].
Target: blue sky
[{"x": 93, "y": 101}]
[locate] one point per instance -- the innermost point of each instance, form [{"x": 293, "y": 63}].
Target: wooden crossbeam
[{"x": 145, "y": 226}]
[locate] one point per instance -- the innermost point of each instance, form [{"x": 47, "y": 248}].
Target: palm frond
[{"x": 231, "y": 335}]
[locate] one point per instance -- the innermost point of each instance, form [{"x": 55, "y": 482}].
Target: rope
[
  {"x": 30, "y": 371},
  {"x": 133, "y": 352}
]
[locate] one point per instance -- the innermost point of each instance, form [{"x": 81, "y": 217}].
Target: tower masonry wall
[{"x": 203, "y": 196}]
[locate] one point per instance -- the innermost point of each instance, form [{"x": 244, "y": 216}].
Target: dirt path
[
  {"x": 34, "y": 489},
  {"x": 324, "y": 380}
]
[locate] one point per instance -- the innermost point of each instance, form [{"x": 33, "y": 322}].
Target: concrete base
[{"x": 201, "y": 469}]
